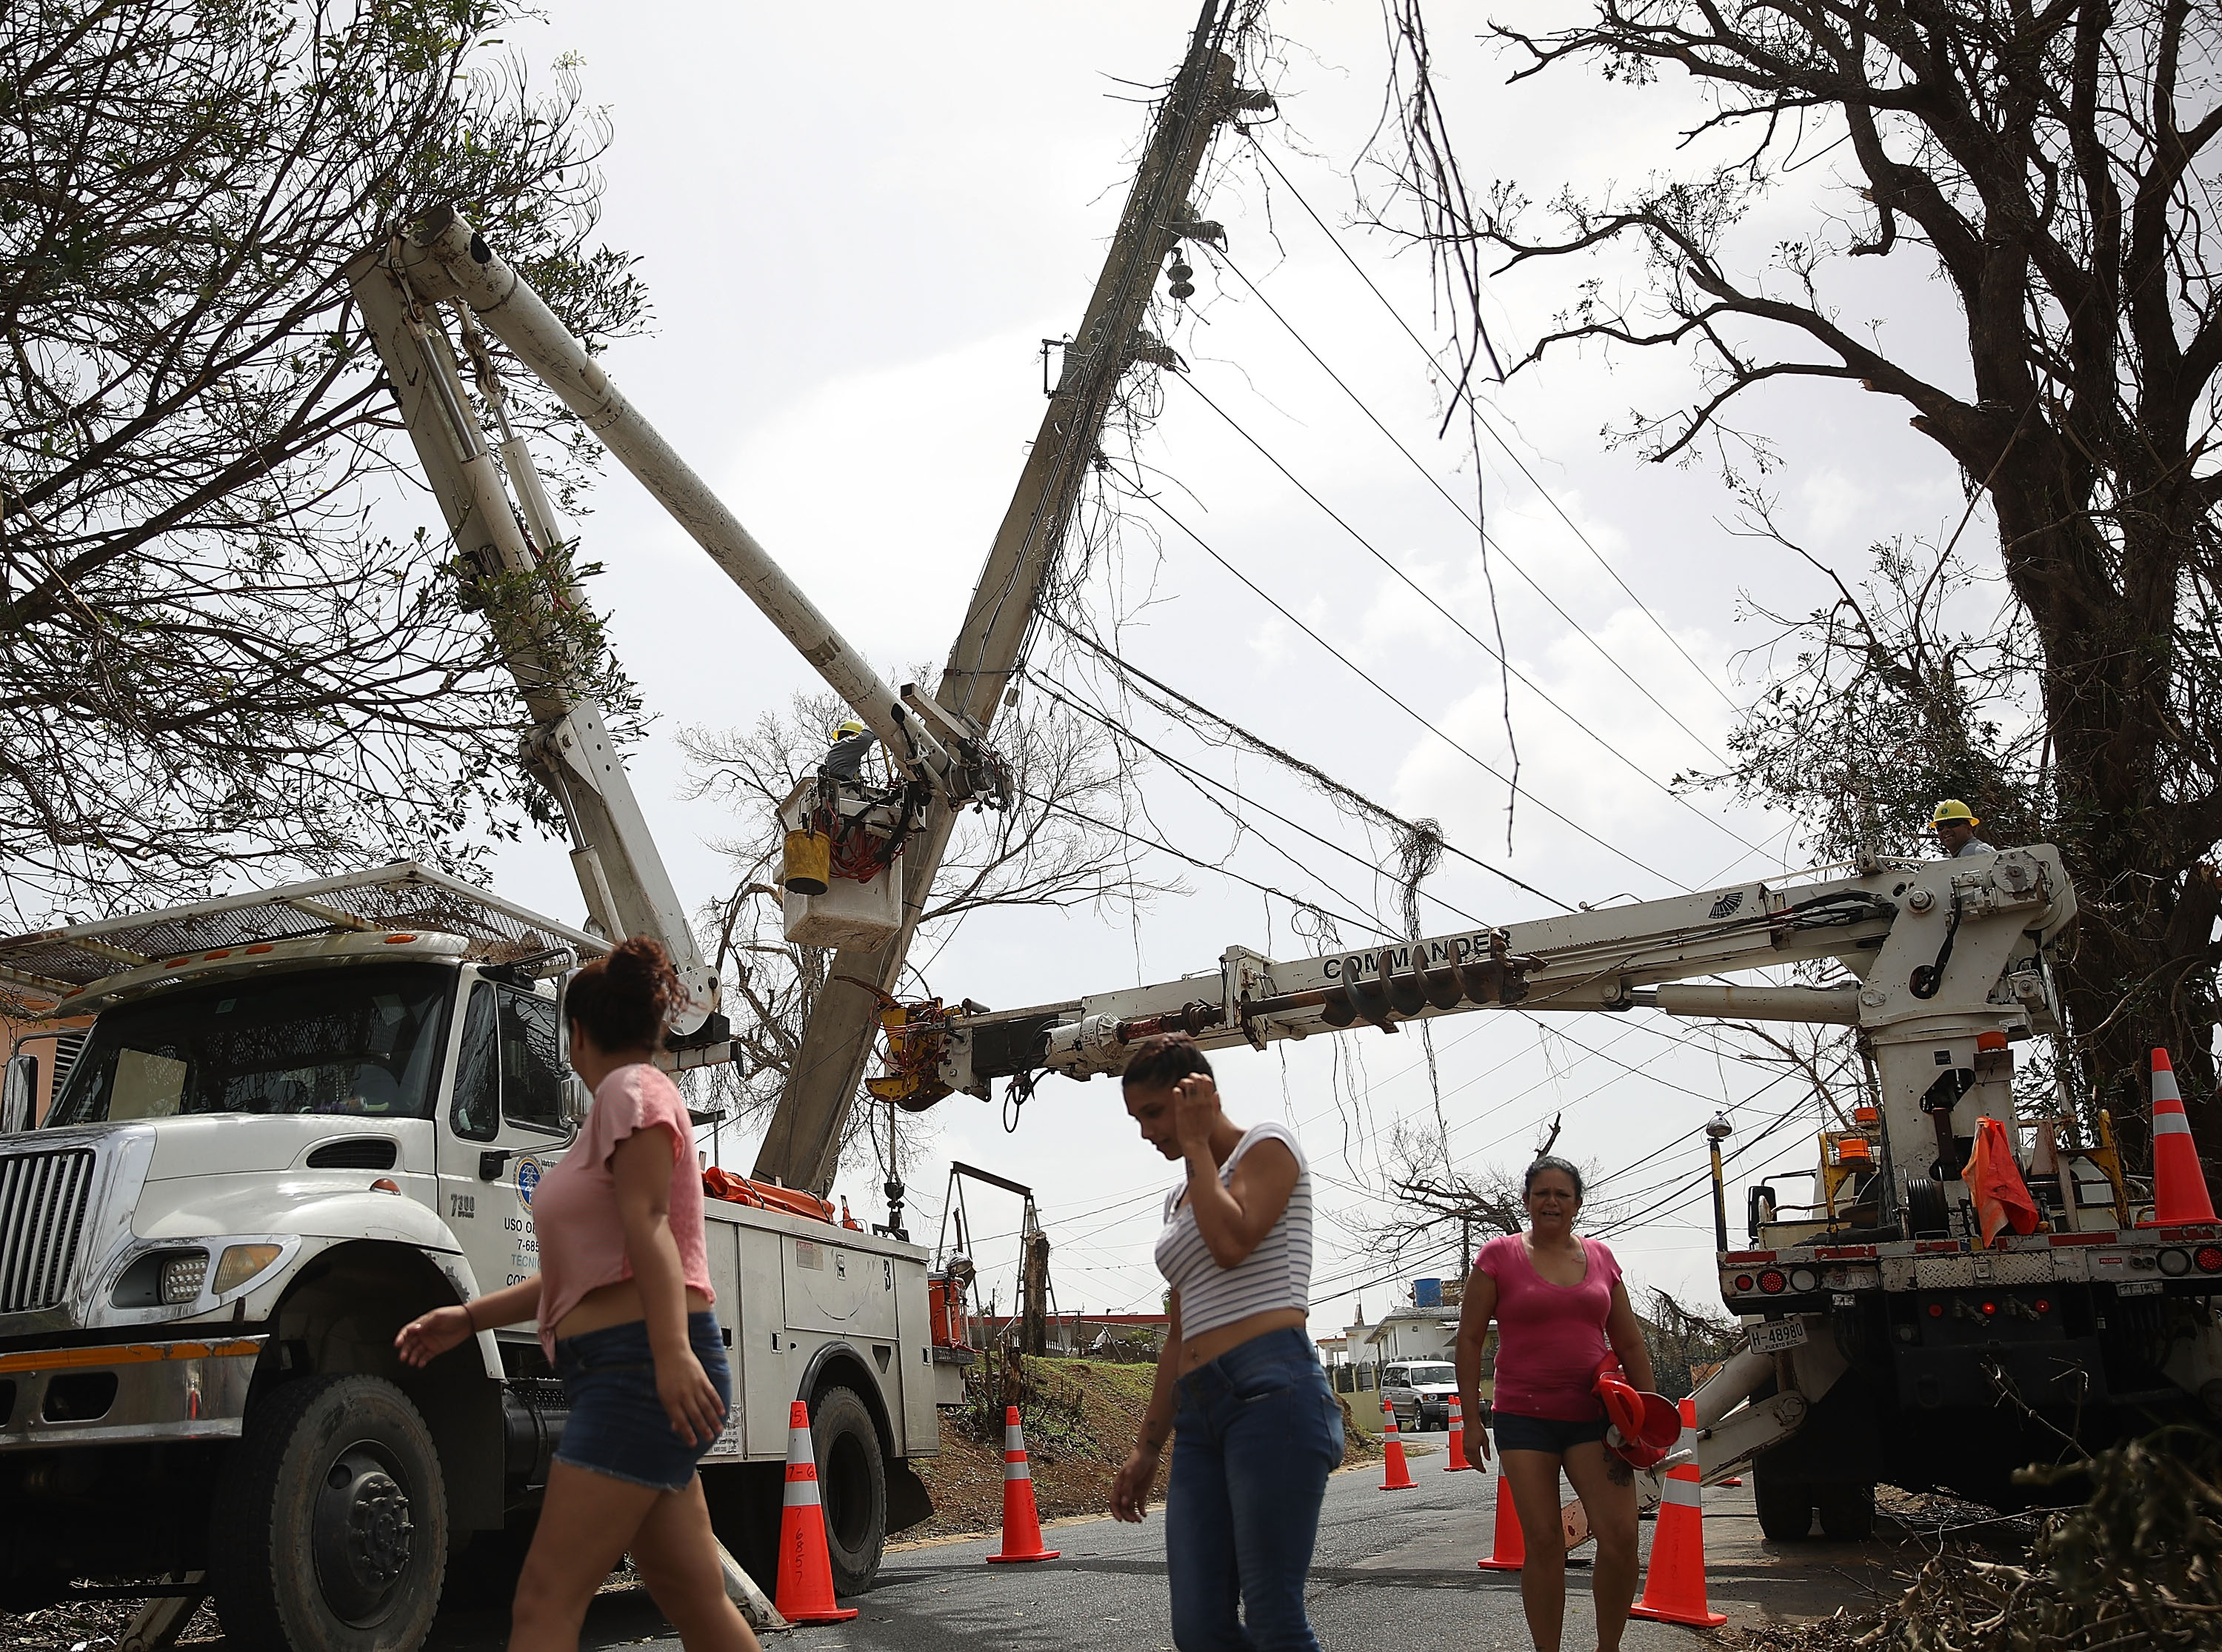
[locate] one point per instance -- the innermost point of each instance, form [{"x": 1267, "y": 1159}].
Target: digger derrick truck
[
  {"x": 299, "y": 1119},
  {"x": 303, "y": 1117},
  {"x": 1883, "y": 1341}
]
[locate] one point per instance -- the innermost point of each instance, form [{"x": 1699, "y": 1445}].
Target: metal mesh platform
[{"x": 405, "y": 896}]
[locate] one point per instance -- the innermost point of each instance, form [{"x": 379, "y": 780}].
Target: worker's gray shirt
[{"x": 1975, "y": 846}]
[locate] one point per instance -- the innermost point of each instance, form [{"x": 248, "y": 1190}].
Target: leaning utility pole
[{"x": 803, "y": 1142}]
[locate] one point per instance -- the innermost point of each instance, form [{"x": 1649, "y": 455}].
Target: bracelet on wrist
[{"x": 471, "y": 1317}]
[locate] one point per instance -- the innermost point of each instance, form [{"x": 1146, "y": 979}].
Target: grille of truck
[{"x": 42, "y": 1205}]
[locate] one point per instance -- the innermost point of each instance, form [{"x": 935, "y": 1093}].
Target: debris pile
[{"x": 2137, "y": 1568}]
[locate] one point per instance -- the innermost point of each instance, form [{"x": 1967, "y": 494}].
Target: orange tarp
[{"x": 1994, "y": 1182}]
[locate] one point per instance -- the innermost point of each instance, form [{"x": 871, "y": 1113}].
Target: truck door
[{"x": 504, "y": 1129}]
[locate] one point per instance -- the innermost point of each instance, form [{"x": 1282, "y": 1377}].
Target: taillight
[
  {"x": 1990, "y": 1308},
  {"x": 2209, "y": 1258},
  {"x": 2175, "y": 1263},
  {"x": 1804, "y": 1279},
  {"x": 1936, "y": 1311},
  {"x": 1744, "y": 1281},
  {"x": 2044, "y": 1304},
  {"x": 1772, "y": 1282}
]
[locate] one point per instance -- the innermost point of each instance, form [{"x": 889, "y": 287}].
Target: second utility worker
[{"x": 1954, "y": 824}]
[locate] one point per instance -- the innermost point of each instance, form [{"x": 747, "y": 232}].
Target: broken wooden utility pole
[{"x": 802, "y": 1144}]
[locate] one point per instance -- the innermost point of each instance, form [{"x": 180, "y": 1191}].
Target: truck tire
[
  {"x": 852, "y": 1483},
  {"x": 330, "y": 1529},
  {"x": 1785, "y": 1505},
  {"x": 1848, "y": 1512}
]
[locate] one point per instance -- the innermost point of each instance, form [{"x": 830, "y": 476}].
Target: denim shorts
[
  {"x": 617, "y": 1426},
  {"x": 1551, "y": 1435}
]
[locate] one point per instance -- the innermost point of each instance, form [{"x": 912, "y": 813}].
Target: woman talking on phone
[
  {"x": 1560, "y": 1309},
  {"x": 622, "y": 1300},
  {"x": 1258, "y": 1432}
]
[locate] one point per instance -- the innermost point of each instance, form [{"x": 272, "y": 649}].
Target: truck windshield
[
  {"x": 361, "y": 1040},
  {"x": 1430, "y": 1375}
]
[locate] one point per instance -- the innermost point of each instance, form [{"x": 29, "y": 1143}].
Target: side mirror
[
  {"x": 577, "y": 1099},
  {"x": 19, "y": 1094}
]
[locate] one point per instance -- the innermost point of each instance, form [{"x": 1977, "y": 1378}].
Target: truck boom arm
[
  {"x": 568, "y": 749},
  {"x": 1940, "y": 953}
]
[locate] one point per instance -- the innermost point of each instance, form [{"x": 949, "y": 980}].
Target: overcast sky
[{"x": 858, "y": 223}]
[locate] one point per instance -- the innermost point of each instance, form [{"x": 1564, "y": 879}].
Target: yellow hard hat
[
  {"x": 1952, "y": 812},
  {"x": 843, "y": 730}
]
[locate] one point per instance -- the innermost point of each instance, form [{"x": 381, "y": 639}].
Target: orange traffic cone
[
  {"x": 1400, "y": 1477},
  {"x": 1022, "y": 1539},
  {"x": 1508, "y": 1550},
  {"x": 2179, "y": 1188},
  {"x": 1675, "y": 1586},
  {"x": 1456, "y": 1458},
  {"x": 804, "y": 1595}
]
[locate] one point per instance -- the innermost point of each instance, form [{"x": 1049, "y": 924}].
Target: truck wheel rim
[{"x": 361, "y": 1534}]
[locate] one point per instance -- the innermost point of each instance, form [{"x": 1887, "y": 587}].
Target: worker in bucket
[
  {"x": 1258, "y": 1431},
  {"x": 845, "y": 756},
  {"x": 622, "y": 1300},
  {"x": 1560, "y": 1307},
  {"x": 1954, "y": 824}
]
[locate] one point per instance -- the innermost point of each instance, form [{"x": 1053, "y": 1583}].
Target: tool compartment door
[{"x": 833, "y": 1288}]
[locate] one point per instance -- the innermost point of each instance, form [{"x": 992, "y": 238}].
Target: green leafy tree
[{"x": 209, "y": 658}]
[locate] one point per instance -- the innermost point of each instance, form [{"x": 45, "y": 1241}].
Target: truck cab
[{"x": 273, "y": 1152}]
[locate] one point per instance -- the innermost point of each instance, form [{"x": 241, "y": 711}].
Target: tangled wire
[{"x": 2137, "y": 1568}]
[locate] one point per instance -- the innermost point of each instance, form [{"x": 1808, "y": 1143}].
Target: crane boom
[
  {"x": 568, "y": 749},
  {"x": 1943, "y": 956}
]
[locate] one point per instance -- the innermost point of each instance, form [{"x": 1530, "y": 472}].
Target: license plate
[
  {"x": 1774, "y": 1337},
  {"x": 2137, "y": 1288}
]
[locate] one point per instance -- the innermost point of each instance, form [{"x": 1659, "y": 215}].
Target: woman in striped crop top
[{"x": 1256, "y": 1430}]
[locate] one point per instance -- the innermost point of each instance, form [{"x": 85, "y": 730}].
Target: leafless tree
[
  {"x": 2053, "y": 164},
  {"x": 1432, "y": 1203},
  {"x": 1058, "y": 846},
  {"x": 208, "y": 655}
]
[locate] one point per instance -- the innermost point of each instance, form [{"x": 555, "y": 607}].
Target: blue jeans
[{"x": 1256, "y": 1435}]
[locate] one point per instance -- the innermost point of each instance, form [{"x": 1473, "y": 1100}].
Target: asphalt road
[{"x": 1394, "y": 1570}]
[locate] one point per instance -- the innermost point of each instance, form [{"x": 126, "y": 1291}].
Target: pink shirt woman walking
[
  {"x": 623, "y": 1301},
  {"x": 1560, "y": 1310}
]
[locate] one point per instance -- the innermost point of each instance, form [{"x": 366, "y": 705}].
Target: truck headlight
[
  {"x": 241, "y": 1263},
  {"x": 182, "y": 1275}
]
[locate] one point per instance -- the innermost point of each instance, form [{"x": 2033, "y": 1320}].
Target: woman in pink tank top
[
  {"x": 622, "y": 1300},
  {"x": 1562, "y": 1310}
]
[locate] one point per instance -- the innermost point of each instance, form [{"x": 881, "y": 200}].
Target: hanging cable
[
  {"x": 1526, "y": 681},
  {"x": 1218, "y": 256},
  {"x": 1466, "y": 394},
  {"x": 1333, "y": 787},
  {"x": 1374, "y": 683}
]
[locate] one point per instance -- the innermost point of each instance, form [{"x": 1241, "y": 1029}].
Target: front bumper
[{"x": 126, "y": 1393}]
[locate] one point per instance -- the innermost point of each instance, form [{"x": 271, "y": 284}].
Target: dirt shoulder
[{"x": 1081, "y": 1418}]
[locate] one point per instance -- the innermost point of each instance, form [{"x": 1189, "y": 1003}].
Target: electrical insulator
[
  {"x": 1180, "y": 271},
  {"x": 1182, "y": 290},
  {"x": 1181, "y": 287}
]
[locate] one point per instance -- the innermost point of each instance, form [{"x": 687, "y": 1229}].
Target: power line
[
  {"x": 1197, "y": 775},
  {"x": 1503, "y": 664},
  {"x": 1219, "y": 255},
  {"x": 1374, "y": 683},
  {"x": 1466, "y": 394},
  {"x": 1164, "y": 848},
  {"x": 1128, "y": 670}
]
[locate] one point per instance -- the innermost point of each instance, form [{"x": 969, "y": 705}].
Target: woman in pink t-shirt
[
  {"x": 622, "y": 1300},
  {"x": 1560, "y": 1310}
]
